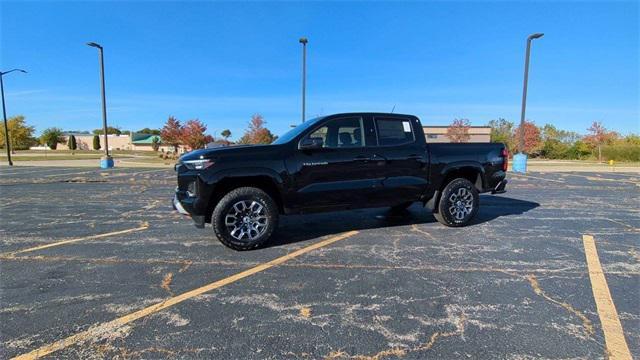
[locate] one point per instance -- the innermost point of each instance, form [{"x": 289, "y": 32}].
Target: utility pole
[
  {"x": 520, "y": 159},
  {"x": 106, "y": 161},
  {"x": 7, "y": 142},
  {"x": 524, "y": 89},
  {"x": 304, "y": 42}
]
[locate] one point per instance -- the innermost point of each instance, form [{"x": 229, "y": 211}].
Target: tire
[
  {"x": 245, "y": 218},
  {"x": 458, "y": 203},
  {"x": 400, "y": 207}
]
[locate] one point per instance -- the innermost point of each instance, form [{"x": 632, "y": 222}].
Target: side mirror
[{"x": 311, "y": 143}]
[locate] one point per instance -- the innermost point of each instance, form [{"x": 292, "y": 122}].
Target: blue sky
[{"x": 223, "y": 62}]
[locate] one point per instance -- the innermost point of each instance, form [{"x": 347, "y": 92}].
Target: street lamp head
[
  {"x": 95, "y": 45},
  {"x": 535, "y": 36},
  {"x": 12, "y": 70},
  {"x": 303, "y": 40}
]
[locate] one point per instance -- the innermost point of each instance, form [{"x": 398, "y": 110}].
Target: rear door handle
[{"x": 414, "y": 157}]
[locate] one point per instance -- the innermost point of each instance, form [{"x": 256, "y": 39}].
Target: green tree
[
  {"x": 155, "y": 143},
  {"x": 149, "y": 131},
  {"x": 96, "y": 142},
  {"x": 71, "y": 143},
  {"x": 51, "y": 137},
  {"x": 110, "y": 131},
  {"x": 226, "y": 134},
  {"x": 501, "y": 132},
  {"x": 20, "y": 134}
]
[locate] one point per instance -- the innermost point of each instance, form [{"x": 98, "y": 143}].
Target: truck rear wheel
[
  {"x": 458, "y": 203},
  {"x": 245, "y": 218}
]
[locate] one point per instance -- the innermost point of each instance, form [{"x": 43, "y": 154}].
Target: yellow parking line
[
  {"x": 64, "y": 242},
  {"x": 613, "y": 333},
  {"x": 108, "y": 327}
]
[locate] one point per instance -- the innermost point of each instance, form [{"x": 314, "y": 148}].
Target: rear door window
[{"x": 394, "y": 131}]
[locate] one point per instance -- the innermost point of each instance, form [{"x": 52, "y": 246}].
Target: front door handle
[
  {"x": 362, "y": 158},
  {"x": 414, "y": 157}
]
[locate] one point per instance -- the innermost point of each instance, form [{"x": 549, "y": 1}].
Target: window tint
[
  {"x": 394, "y": 131},
  {"x": 341, "y": 133}
]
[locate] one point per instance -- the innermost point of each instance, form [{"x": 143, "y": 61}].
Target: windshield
[{"x": 291, "y": 134}]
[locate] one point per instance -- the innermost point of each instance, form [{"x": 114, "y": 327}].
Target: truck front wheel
[
  {"x": 458, "y": 203},
  {"x": 245, "y": 218}
]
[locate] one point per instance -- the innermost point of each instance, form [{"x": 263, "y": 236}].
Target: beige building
[
  {"x": 438, "y": 134},
  {"x": 119, "y": 142}
]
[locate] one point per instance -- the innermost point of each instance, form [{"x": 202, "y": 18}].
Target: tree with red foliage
[
  {"x": 458, "y": 131},
  {"x": 532, "y": 140},
  {"x": 256, "y": 133},
  {"x": 599, "y": 136},
  {"x": 171, "y": 133},
  {"x": 193, "y": 134}
]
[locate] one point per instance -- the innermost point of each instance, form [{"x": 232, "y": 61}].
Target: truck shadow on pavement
[{"x": 296, "y": 228}]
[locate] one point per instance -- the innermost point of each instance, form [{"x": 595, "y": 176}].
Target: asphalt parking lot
[{"x": 96, "y": 264}]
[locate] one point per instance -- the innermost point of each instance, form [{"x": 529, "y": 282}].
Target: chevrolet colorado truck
[{"x": 336, "y": 162}]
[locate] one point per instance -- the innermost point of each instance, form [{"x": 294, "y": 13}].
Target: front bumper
[
  {"x": 198, "y": 220},
  {"x": 177, "y": 206}
]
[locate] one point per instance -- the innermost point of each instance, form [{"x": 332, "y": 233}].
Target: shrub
[
  {"x": 621, "y": 152},
  {"x": 71, "y": 143},
  {"x": 96, "y": 142}
]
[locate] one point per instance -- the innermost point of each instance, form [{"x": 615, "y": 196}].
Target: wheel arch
[
  {"x": 466, "y": 170},
  {"x": 263, "y": 180}
]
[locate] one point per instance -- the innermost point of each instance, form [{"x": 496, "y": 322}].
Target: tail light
[{"x": 505, "y": 159}]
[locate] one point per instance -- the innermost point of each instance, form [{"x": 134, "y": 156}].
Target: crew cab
[{"x": 336, "y": 162}]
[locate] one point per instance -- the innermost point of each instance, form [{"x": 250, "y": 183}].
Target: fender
[{"x": 216, "y": 177}]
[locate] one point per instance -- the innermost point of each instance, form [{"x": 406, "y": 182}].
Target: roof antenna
[{"x": 394, "y": 107}]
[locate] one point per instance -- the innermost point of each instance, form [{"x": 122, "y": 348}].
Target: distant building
[
  {"x": 438, "y": 134},
  {"x": 134, "y": 141}
]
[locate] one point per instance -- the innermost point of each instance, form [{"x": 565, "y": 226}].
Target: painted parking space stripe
[
  {"x": 105, "y": 328},
  {"x": 70, "y": 241},
  {"x": 613, "y": 334},
  {"x": 32, "y": 170}
]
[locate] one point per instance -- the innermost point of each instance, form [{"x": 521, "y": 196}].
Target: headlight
[{"x": 199, "y": 164}]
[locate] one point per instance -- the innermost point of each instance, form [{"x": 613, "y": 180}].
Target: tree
[
  {"x": 193, "y": 134},
  {"x": 256, "y": 133},
  {"x": 71, "y": 143},
  {"x": 96, "y": 142},
  {"x": 458, "y": 131},
  {"x": 599, "y": 136},
  {"x": 532, "y": 142},
  {"x": 171, "y": 133},
  {"x": 149, "y": 131},
  {"x": 110, "y": 131},
  {"x": 502, "y": 132},
  {"x": 51, "y": 137},
  {"x": 226, "y": 134},
  {"x": 20, "y": 134},
  {"x": 155, "y": 143}
]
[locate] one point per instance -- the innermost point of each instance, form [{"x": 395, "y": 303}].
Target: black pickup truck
[{"x": 336, "y": 162}]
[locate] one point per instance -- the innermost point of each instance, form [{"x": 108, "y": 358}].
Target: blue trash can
[
  {"x": 519, "y": 163},
  {"x": 106, "y": 162}
]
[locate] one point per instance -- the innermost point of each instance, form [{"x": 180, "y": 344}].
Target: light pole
[
  {"x": 520, "y": 160},
  {"x": 304, "y": 42},
  {"x": 7, "y": 143},
  {"x": 106, "y": 161}
]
